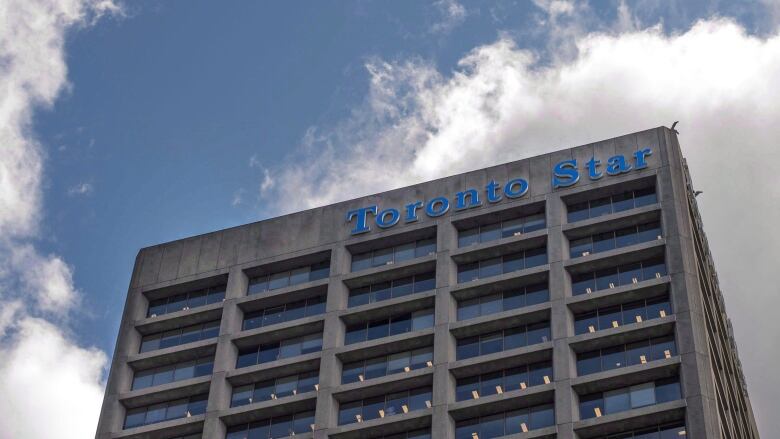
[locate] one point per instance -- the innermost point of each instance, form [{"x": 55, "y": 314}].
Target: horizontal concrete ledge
[
  {"x": 390, "y": 307},
  {"x": 618, "y": 256},
  {"x": 268, "y": 299},
  {"x": 269, "y": 409},
  {"x": 611, "y": 221},
  {"x": 279, "y": 331},
  {"x": 502, "y": 320},
  {"x": 648, "y": 289},
  {"x": 383, "y": 426},
  {"x": 382, "y": 238},
  {"x": 499, "y": 247},
  {"x": 384, "y": 385},
  {"x": 423, "y": 264},
  {"x": 274, "y": 369},
  {"x": 164, "y": 430},
  {"x": 386, "y": 345},
  {"x": 623, "y": 334},
  {"x": 166, "y": 392},
  {"x": 501, "y": 360},
  {"x": 514, "y": 399},
  {"x": 179, "y": 319},
  {"x": 631, "y": 419},
  {"x": 197, "y": 281},
  {"x": 173, "y": 354},
  {"x": 478, "y": 287},
  {"x": 626, "y": 376}
]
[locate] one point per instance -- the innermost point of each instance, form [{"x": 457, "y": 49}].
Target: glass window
[
  {"x": 467, "y": 347},
  {"x": 663, "y": 348},
  {"x": 623, "y": 202},
  {"x": 382, "y": 257},
  {"x": 465, "y": 388},
  {"x": 638, "y": 353},
  {"x": 320, "y": 270},
  {"x": 258, "y": 430},
  {"x": 617, "y": 401},
  {"x": 135, "y": 417},
  {"x": 398, "y": 362},
  {"x": 603, "y": 242},
  {"x": 258, "y": 285},
  {"x": 648, "y": 232},
  {"x": 311, "y": 343},
  {"x": 419, "y": 399},
  {"x": 355, "y": 333},
  {"x": 196, "y": 299},
  {"x": 538, "y": 333},
  {"x": 492, "y": 426},
  {"x": 512, "y": 227},
  {"x": 515, "y": 377},
  {"x": 644, "y": 197},
  {"x": 403, "y": 286},
  {"x": 658, "y": 308},
  {"x": 513, "y": 262},
  {"x": 468, "y": 272},
  {"x": 303, "y": 422},
  {"x": 600, "y": 206},
  {"x": 642, "y": 395},
  {"x": 515, "y": 420},
  {"x": 395, "y": 403},
  {"x": 468, "y": 309},
  {"x": 542, "y": 416},
  {"x": 425, "y": 247},
  {"x": 422, "y": 319},
  {"x": 184, "y": 371},
  {"x": 490, "y": 232},
  {"x": 349, "y": 412},
  {"x": 607, "y": 278},
  {"x": 421, "y": 358},
  {"x": 279, "y": 280},
  {"x": 581, "y": 247},
  {"x": 513, "y": 300},
  {"x": 359, "y": 296},
  {"x": 290, "y": 348},
  {"x": 361, "y": 261},
  {"x": 535, "y": 257},
  {"x": 295, "y": 310},
  {"x": 515, "y": 338},
  {"x": 582, "y": 283},
  {"x": 264, "y": 391},
  {"x": 610, "y": 317},
  {"x": 246, "y": 358},
  {"x": 490, "y": 343},
  {"x": 653, "y": 269},
  {"x": 613, "y": 358},
  {"x": 590, "y": 405},
  {"x": 404, "y": 252},
  {"x": 489, "y": 267},
  {"x": 299, "y": 275},
  {"x": 280, "y": 427},
  {"x": 489, "y": 382},
  {"x": 626, "y": 237},
  {"x": 242, "y": 396},
  {"x": 381, "y": 291},
  {"x": 534, "y": 222},
  {"x": 587, "y": 322},
  {"x": 468, "y": 429},
  {"x": 424, "y": 282},
  {"x": 577, "y": 212},
  {"x": 351, "y": 372},
  {"x": 157, "y": 307},
  {"x": 630, "y": 273},
  {"x": 400, "y": 324},
  {"x": 588, "y": 362},
  {"x": 667, "y": 390},
  {"x": 490, "y": 304},
  {"x": 286, "y": 386},
  {"x": 634, "y": 313},
  {"x": 540, "y": 373}
]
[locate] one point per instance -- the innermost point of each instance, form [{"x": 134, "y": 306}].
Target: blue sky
[{"x": 178, "y": 118}]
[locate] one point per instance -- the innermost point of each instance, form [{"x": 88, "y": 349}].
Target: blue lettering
[
  {"x": 411, "y": 211},
  {"x": 473, "y": 199},
  {"x": 437, "y": 207},
  {"x": 617, "y": 165},
  {"x": 639, "y": 158},
  {"x": 593, "y": 169},
  {"x": 492, "y": 192},
  {"x": 516, "y": 188},
  {"x": 382, "y": 220},
  {"x": 565, "y": 174},
  {"x": 361, "y": 216}
]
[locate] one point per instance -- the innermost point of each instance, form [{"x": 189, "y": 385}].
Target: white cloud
[
  {"x": 81, "y": 189},
  {"x": 37, "y": 292},
  {"x": 453, "y": 14},
  {"x": 503, "y": 105}
]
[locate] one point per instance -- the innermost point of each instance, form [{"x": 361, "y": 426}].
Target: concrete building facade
[{"x": 569, "y": 295}]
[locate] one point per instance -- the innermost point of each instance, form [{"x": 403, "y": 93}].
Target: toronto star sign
[{"x": 564, "y": 174}]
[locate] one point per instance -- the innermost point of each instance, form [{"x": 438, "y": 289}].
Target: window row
[
  {"x": 166, "y": 411},
  {"x": 180, "y": 302},
  {"x": 393, "y": 255},
  {"x": 506, "y": 423},
  {"x": 284, "y": 313},
  {"x": 625, "y": 274},
  {"x": 505, "y": 340},
  {"x": 416, "y": 434},
  {"x": 504, "y": 301},
  {"x": 618, "y": 315},
  {"x": 398, "y": 324},
  {"x": 501, "y": 229},
  {"x": 492, "y": 383},
  {"x": 671, "y": 431},
  {"x": 385, "y": 405},
  {"x": 502, "y": 264},
  {"x": 615, "y": 401},
  {"x": 172, "y": 373},
  {"x": 274, "y": 281},
  {"x": 619, "y": 238},
  {"x": 396, "y": 288},
  {"x": 626, "y": 355},
  {"x": 275, "y": 388},
  {"x": 387, "y": 365},
  {"x": 278, "y": 350},
  {"x": 179, "y": 336},
  {"x": 273, "y": 428},
  {"x": 611, "y": 204}
]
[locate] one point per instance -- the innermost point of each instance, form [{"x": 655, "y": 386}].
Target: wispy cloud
[
  {"x": 37, "y": 293},
  {"x": 81, "y": 189},
  {"x": 451, "y": 15},
  {"x": 502, "y": 104}
]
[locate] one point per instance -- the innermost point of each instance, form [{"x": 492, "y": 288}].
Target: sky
[{"x": 123, "y": 125}]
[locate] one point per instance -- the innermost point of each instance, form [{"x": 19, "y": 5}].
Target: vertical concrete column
[
  {"x": 560, "y": 324},
  {"x": 332, "y": 339},
  {"x": 225, "y": 358},
  {"x": 442, "y": 426}
]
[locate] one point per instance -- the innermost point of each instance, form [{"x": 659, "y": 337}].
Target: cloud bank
[
  {"x": 503, "y": 104},
  {"x": 44, "y": 374}
]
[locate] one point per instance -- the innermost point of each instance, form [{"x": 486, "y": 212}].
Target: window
[
  {"x": 406, "y": 361},
  {"x": 275, "y": 388},
  {"x": 398, "y": 324},
  {"x": 615, "y": 239},
  {"x": 504, "y": 301},
  {"x": 611, "y": 204},
  {"x": 166, "y": 411},
  {"x": 416, "y": 434},
  {"x": 614, "y": 277},
  {"x": 624, "y": 355},
  {"x": 507, "y": 380},
  {"x": 278, "y": 350},
  {"x": 278, "y": 427},
  {"x": 284, "y": 313},
  {"x": 180, "y": 302},
  {"x": 273, "y": 281},
  {"x": 501, "y": 265},
  {"x": 627, "y": 398},
  {"x": 670, "y": 431},
  {"x": 505, "y": 340},
  {"x": 614, "y": 316},
  {"x": 179, "y": 336},
  {"x": 396, "y": 288},
  {"x": 171, "y": 373},
  {"x": 506, "y": 423},
  {"x": 386, "y": 405},
  {"x": 393, "y": 255},
  {"x": 501, "y": 229}
]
